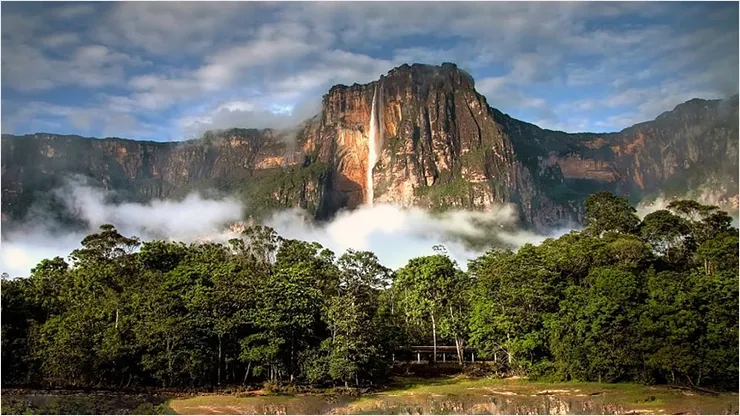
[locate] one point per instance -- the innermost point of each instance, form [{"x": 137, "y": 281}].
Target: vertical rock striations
[{"x": 441, "y": 145}]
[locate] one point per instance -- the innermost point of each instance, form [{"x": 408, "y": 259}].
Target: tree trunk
[
  {"x": 169, "y": 362},
  {"x": 458, "y": 342},
  {"x": 246, "y": 374},
  {"x": 459, "y": 350},
  {"x": 219, "y": 359},
  {"x": 116, "y": 318},
  {"x": 508, "y": 354},
  {"x": 292, "y": 348},
  {"x": 434, "y": 336}
]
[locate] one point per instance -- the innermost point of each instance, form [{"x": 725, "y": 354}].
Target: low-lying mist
[
  {"x": 394, "y": 234},
  {"x": 706, "y": 195}
]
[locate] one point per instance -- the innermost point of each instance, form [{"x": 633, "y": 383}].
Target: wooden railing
[{"x": 443, "y": 350}]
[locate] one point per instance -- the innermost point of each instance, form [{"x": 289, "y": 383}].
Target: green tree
[
  {"x": 669, "y": 235},
  {"x": 598, "y": 320},
  {"x": 19, "y": 309},
  {"x": 287, "y": 314},
  {"x": 513, "y": 298},
  {"x": 424, "y": 285},
  {"x": 607, "y": 212},
  {"x": 651, "y": 303},
  {"x": 355, "y": 347},
  {"x": 669, "y": 326}
]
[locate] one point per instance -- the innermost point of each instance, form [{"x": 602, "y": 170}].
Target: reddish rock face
[
  {"x": 440, "y": 145},
  {"x": 435, "y": 132},
  {"x": 443, "y": 146}
]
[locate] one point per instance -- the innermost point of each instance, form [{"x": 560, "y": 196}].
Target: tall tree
[
  {"x": 515, "y": 294},
  {"x": 606, "y": 212},
  {"x": 424, "y": 285}
]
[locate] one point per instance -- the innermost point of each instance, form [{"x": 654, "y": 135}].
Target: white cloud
[
  {"x": 707, "y": 195},
  {"x": 647, "y": 103},
  {"x": 299, "y": 92},
  {"x": 504, "y": 92},
  {"x": 60, "y": 39},
  {"x": 111, "y": 123},
  {"x": 75, "y": 10},
  {"x": 395, "y": 234},
  {"x": 245, "y": 114},
  {"x": 167, "y": 29},
  {"x": 89, "y": 66},
  {"x": 573, "y": 125},
  {"x": 617, "y": 122},
  {"x": 201, "y": 56}
]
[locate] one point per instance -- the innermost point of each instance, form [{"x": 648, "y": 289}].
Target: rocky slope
[{"x": 429, "y": 139}]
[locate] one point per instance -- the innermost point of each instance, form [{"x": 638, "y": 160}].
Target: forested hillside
[{"x": 652, "y": 300}]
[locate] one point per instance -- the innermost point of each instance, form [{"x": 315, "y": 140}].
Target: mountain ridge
[
  {"x": 731, "y": 98},
  {"x": 441, "y": 146}
]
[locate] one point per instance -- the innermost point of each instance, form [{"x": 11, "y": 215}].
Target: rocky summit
[{"x": 419, "y": 136}]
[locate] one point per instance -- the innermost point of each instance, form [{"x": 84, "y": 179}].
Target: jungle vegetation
[{"x": 652, "y": 301}]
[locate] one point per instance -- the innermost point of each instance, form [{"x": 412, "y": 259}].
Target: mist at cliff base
[
  {"x": 394, "y": 234},
  {"x": 704, "y": 195}
]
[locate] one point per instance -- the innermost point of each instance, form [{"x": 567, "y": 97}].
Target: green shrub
[{"x": 13, "y": 406}]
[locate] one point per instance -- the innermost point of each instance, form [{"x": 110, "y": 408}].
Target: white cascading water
[{"x": 372, "y": 144}]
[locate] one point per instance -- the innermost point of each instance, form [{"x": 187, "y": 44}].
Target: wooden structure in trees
[{"x": 416, "y": 353}]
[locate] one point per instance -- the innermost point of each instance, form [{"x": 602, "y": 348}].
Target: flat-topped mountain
[{"x": 420, "y": 135}]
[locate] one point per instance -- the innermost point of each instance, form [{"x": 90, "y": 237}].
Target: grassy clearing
[
  {"x": 304, "y": 404},
  {"x": 454, "y": 395},
  {"x": 460, "y": 385}
]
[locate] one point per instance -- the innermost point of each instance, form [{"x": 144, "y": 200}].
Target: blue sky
[{"x": 171, "y": 70}]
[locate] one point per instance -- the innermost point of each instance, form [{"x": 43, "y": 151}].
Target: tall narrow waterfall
[{"x": 373, "y": 143}]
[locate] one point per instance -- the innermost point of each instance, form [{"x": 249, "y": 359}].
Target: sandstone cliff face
[
  {"x": 439, "y": 145},
  {"x": 234, "y": 161},
  {"x": 693, "y": 147}
]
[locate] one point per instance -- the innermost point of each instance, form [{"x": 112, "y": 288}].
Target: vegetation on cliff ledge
[{"x": 652, "y": 300}]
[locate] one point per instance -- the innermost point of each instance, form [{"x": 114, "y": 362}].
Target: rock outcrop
[{"x": 438, "y": 144}]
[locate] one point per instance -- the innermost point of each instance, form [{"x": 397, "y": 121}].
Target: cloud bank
[
  {"x": 165, "y": 70},
  {"x": 395, "y": 234},
  {"x": 705, "y": 195},
  {"x": 398, "y": 234},
  {"x": 41, "y": 236}
]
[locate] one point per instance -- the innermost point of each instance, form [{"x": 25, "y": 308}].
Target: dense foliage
[{"x": 652, "y": 300}]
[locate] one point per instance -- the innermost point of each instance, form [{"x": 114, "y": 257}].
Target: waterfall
[{"x": 372, "y": 147}]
